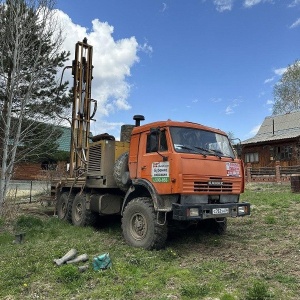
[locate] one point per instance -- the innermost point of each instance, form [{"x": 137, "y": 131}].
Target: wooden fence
[{"x": 272, "y": 174}]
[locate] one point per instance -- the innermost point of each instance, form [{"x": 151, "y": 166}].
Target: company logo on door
[{"x": 160, "y": 172}]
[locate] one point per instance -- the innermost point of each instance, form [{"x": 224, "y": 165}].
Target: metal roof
[
  {"x": 64, "y": 141},
  {"x": 278, "y": 127}
]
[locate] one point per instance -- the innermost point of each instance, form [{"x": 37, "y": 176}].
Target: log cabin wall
[
  {"x": 278, "y": 139},
  {"x": 286, "y": 152}
]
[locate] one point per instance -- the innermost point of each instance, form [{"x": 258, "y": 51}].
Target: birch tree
[
  {"x": 30, "y": 95},
  {"x": 287, "y": 90}
]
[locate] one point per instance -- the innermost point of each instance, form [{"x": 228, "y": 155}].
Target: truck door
[{"x": 153, "y": 162}]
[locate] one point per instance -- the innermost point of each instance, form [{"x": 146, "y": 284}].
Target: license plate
[{"x": 220, "y": 211}]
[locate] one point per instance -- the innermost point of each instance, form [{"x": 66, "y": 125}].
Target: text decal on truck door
[
  {"x": 233, "y": 169},
  {"x": 160, "y": 172}
]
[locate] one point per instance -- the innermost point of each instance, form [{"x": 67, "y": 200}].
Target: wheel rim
[
  {"x": 78, "y": 212},
  {"x": 138, "y": 226}
]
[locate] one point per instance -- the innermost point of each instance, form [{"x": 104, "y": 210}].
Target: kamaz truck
[{"x": 153, "y": 175}]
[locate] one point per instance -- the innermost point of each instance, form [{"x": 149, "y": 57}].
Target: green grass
[{"x": 255, "y": 259}]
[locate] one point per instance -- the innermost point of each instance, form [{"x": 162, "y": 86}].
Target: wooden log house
[{"x": 276, "y": 142}]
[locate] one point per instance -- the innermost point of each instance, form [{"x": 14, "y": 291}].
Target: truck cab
[{"x": 189, "y": 172}]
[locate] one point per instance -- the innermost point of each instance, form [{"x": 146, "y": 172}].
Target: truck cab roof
[{"x": 170, "y": 123}]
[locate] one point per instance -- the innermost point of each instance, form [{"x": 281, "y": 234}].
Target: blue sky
[{"x": 213, "y": 62}]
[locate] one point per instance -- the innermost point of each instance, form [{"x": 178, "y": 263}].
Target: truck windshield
[{"x": 191, "y": 140}]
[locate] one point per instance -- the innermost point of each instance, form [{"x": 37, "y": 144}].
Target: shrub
[
  {"x": 258, "y": 291},
  {"x": 67, "y": 274}
]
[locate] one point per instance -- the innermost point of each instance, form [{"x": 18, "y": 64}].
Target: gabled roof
[{"x": 278, "y": 127}]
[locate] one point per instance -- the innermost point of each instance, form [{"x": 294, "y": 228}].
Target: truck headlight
[
  {"x": 193, "y": 212},
  {"x": 242, "y": 210}
]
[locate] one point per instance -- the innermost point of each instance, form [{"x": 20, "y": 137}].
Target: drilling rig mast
[{"x": 81, "y": 109}]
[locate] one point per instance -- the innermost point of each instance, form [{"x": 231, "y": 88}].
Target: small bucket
[{"x": 19, "y": 237}]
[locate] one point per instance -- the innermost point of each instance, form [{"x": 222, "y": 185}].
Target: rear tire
[
  {"x": 81, "y": 216},
  {"x": 64, "y": 206},
  {"x": 140, "y": 225}
]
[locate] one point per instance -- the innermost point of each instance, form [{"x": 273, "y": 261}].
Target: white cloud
[
  {"x": 280, "y": 71},
  {"x": 112, "y": 60},
  {"x": 295, "y": 24},
  {"x": 216, "y": 100},
  {"x": 164, "y": 7},
  {"x": 294, "y": 3},
  {"x": 269, "y": 80},
  {"x": 223, "y": 5},
  {"x": 277, "y": 72},
  {"x": 270, "y": 102},
  {"x": 229, "y": 110},
  {"x": 146, "y": 48},
  {"x": 250, "y": 3}
]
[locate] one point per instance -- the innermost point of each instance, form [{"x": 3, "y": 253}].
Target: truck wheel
[
  {"x": 81, "y": 216},
  {"x": 140, "y": 227},
  {"x": 64, "y": 206},
  {"x": 121, "y": 172}
]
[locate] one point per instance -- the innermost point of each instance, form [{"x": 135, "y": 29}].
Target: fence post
[
  {"x": 277, "y": 171},
  {"x": 248, "y": 170}
]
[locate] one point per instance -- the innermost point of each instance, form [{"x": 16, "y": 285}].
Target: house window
[
  {"x": 283, "y": 152},
  {"x": 251, "y": 157},
  {"x": 49, "y": 165}
]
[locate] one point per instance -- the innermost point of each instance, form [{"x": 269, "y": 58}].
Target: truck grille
[
  {"x": 94, "y": 165},
  {"x": 192, "y": 184},
  {"x": 201, "y": 186}
]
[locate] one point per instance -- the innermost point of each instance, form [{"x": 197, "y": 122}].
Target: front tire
[
  {"x": 64, "y": 206},
  {"x": 81, "y": 216},
  {"x": 140, "y": 225}
]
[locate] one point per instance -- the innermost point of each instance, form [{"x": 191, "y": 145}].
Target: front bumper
[{"x": 186, "y": 212}]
